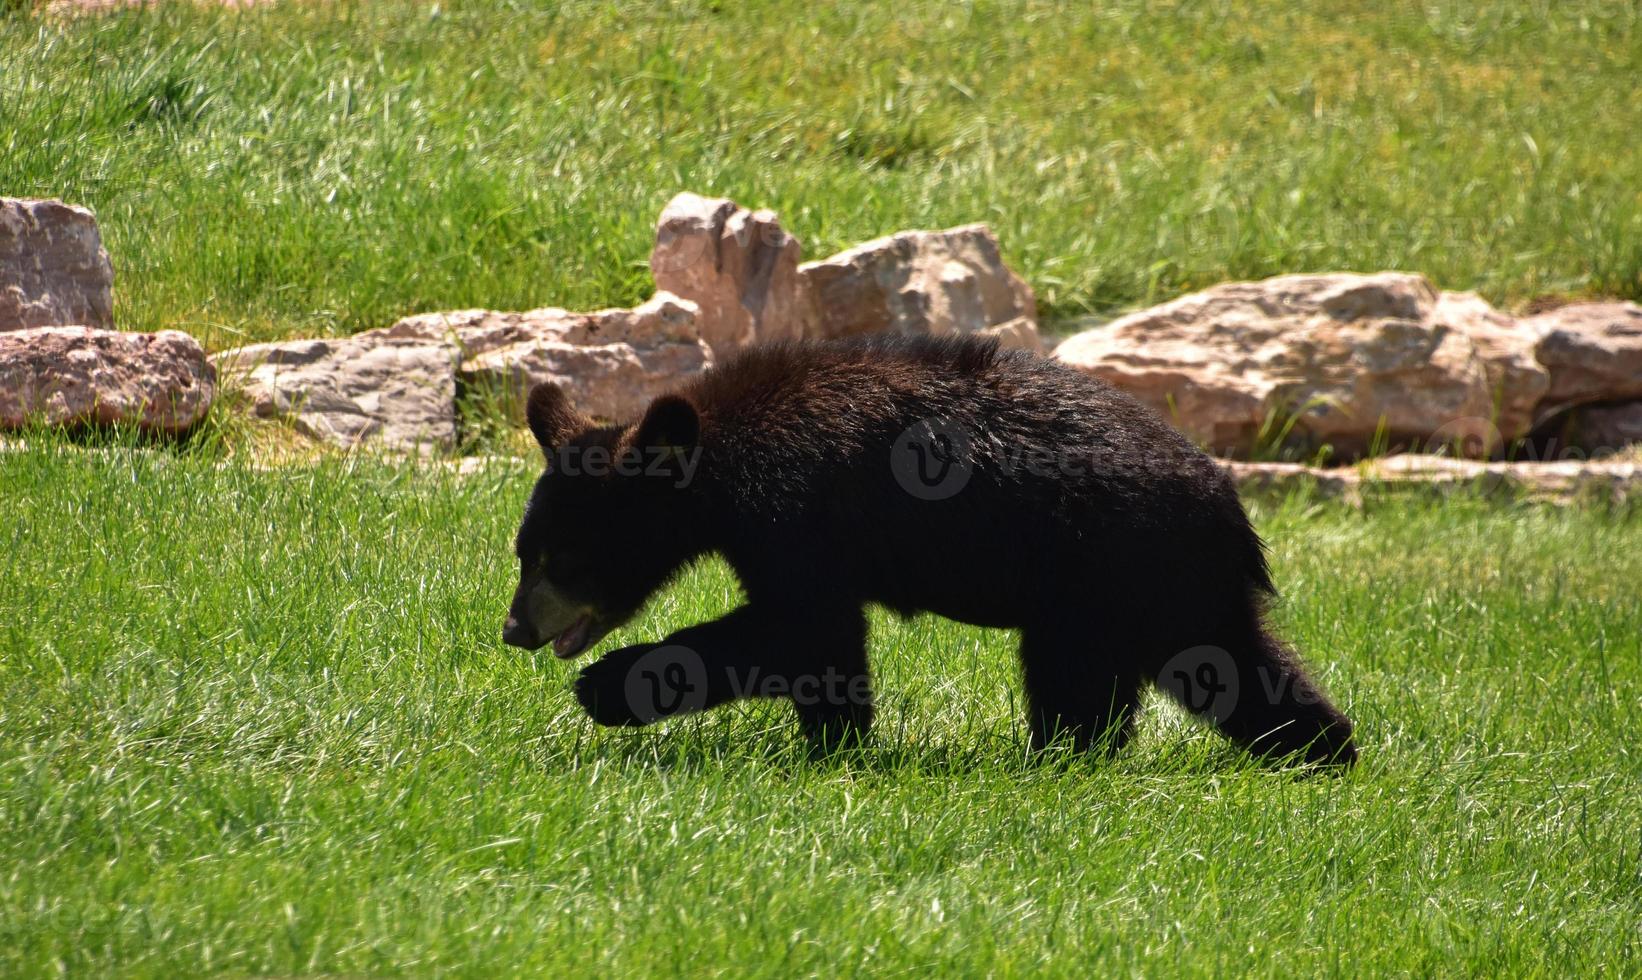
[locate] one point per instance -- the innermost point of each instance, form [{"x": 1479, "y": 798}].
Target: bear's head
[{"x": 608, "y": 522}]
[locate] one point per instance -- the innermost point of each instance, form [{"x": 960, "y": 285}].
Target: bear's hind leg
[{"x": 1072, "y": 695}]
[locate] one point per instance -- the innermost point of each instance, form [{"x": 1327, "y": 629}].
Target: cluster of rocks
[
  {"x": 399, "y": 386},
  {"x": 1349, "y": 362},
  {"x": 61, "y": 361},
  {"x": 742, "y": 270},
  {"x": 1382, "y": 361},
  {"x": 726, "y": 277}
]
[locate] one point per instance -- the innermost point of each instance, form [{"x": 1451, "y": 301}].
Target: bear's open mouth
[{"x": 575, "y": 638}]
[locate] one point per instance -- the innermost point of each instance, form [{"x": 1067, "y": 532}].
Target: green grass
[
  {"x": 305, "y": 168},
  {"x": 260, "y": 722}
]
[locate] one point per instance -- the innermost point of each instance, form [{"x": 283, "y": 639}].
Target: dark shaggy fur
[{"x": 1119, "y": 550}]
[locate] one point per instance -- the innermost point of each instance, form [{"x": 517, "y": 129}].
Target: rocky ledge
[{"x": 1363, "y": 363}]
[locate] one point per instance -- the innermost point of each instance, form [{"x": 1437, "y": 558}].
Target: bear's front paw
[
  {"x": 601, "y": 687},
  {"x": 641, "y": 684}
]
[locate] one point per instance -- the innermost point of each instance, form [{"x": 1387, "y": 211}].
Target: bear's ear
[
  {"x": 671, "y": 422},
  {"x": 552, "y": 419}
]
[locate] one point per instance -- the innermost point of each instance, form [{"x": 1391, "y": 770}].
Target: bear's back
[
  {"x": 944, "y": 474},
  {"x": 798, "y": 411}
]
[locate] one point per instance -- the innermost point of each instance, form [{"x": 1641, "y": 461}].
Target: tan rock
[
  {"x": 395, "y": 393},
  {"x": 611, "y": 362},
  {"x": 1593, "y": 429},
  {"x": 1516, "y": 379},
  {"x": 53, "y": 270},
  {"x": 932, "y": 282},
  {"x": 1357, "y": 358},
  {"x": 1566, "y": 481},
  {"x": 1020, "y": 333},
  {"x": 158, "y": 382},
  {"x": 739, "y": 267},
  {"x": 1593, "y": 352},
  {"x": 398, "y": 386},
  {"x": 613, "y": 382},
  {"x": 664, "y": 318}
]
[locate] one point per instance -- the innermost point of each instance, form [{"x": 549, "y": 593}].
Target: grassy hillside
[
  {"x": 324, "y": 167},
  {"x": 262, "y": 723}
]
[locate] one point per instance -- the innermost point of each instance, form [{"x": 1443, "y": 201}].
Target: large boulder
[
  {"x": 739, "y": 267},
  {"x": 1352, "y": 360},
  {"x": 610, "y": 362},
  {"x": 927, "y": 282},
  {"x": 390, "y": 392},
  {"x": 606, "y": 381},
  {"x": 1593, "y": 352},
  {"x": 66, "y": 376},
  {"x": 53, "y": 270},
  {"x": 398, "y": 387},
  {"x": 1516, "y": 379}
]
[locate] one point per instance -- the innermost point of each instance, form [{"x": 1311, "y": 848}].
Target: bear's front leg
[
  {"x": 818, "y": 661},
  {"x": 641, "y": 684}
]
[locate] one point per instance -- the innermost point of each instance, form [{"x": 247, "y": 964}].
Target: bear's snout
[{"x": 518, "y": 633}]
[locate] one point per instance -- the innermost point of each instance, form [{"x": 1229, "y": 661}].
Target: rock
[
  {"x": 53, "y": 270},
  {"x": 613, "y": 382},
  {"x": 1359, "y": 359},
  {"x": 610, "y": 362},
  {"x": 664, "y": 318},
  {"x": 398, "y": 393},
  {"x": 1564, "y": 481},
  {"x": 739, "y": 267},
  {"x": 1590, "y": 430},
  {"x": 1593, "y": 352},
  {"x": 1516, "y": 379},
  {"x": 933, "y": 282},
  {"x": 398, "y": 386},
  {"x": 502, "y": 466},
  {"x": 1293, "y": 477},
  {"x": 159, "y": 382},
  {"x": 1020, "y": 333},
  {"x": 1559, "y": 481},
  {"x": 1608, "y": 428}
]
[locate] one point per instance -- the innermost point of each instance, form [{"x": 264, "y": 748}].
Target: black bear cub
[{"x": 992, "y": 487}]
